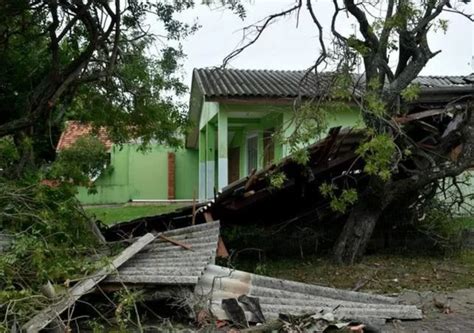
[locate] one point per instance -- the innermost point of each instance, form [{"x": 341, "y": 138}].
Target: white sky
[{"x": 285, "y": 46}]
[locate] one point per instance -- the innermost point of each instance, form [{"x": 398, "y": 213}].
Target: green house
[{"x": 236, "y": 114}]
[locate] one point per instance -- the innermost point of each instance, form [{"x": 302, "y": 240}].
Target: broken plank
[
  {"x": 172, "y": 241},
  {"x": 42, "y": 319}
]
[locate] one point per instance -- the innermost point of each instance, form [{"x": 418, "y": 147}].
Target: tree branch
[{"x": 259, "y": 30}]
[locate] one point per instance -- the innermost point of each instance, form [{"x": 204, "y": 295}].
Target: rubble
[{"x": 183, "y": 259}]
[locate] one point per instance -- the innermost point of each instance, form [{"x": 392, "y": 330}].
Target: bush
[
  {"x": 52, "y": 241},
  {"x": 441, "y": 226}
]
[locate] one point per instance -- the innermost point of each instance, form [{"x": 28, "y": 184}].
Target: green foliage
[
  {"x": 310, "y": 122},
  {"x": 277, "y": 179},
  {"x": 52, "y": 241},
  {"x": 79, "y": 164},
  {"x": 134, "y": 95},
  {"x": 374, "y": 104},
  {"x": 441, "y": 226},
  {"x": 8, "y": 154},
  {"x": 126, "y": 305},
  {"x": 411, "y": 92},
  {"x": 340, "y": 200},
  {"x": 378, "y": 153}
]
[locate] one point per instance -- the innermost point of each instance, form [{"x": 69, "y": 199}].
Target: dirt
[{"x": 444, "y": 312}]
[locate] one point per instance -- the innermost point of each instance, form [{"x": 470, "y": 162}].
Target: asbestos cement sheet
[
  {"x": 165, "y": 263},
  {"x": 278, "y": 296}
]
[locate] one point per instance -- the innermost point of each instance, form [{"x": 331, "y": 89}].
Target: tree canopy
[{"x": 90, "y": 61}]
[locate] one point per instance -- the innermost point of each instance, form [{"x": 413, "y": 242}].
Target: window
[{"x": 252, "y": 152}]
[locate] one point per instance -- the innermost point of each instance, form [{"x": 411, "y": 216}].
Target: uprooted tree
[{"x": 392, "y": 44}]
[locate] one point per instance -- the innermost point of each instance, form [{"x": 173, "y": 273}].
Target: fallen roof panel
[
  {"x": 277, "y": 296},
  {"x": 165, "y": 263}
]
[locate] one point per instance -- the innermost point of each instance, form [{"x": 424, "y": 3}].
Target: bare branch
[{"x": 259, "y": 29}]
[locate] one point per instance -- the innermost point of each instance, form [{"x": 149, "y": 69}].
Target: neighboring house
[
  {"x": 160, "y": 174},
  {"x": 234, "y": 113}
]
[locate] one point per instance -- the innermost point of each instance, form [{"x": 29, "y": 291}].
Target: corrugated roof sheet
[
  {"x": 265, "y": 83},
  {"x": 218, "y": 82},
  {"x": 164, "y": 263},
  {"x": 75, "y": 130},
  {"x": 287, "y": 297}
]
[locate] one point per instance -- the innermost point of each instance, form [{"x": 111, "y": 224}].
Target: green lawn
[
  {"x": 466, "y": 222},
  {"x": 111, "y": 215}
]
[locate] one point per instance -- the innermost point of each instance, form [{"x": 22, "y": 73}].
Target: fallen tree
[{"x": 404, "y": 168}]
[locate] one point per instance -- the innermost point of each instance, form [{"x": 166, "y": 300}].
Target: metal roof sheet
[
  {"x": 218, "y": 82},
  {"x": 264, "y": 83},
  {"x": 288, "y": 297},
  {"x": 165, "y": 263}
]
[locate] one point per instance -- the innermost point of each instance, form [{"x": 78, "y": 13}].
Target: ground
[
  {"x": 120, "y": 213},
  {"x": 386, "y": 274},
  {"x": 435, "y": 284},
  {"x": 453, "y": 313}
]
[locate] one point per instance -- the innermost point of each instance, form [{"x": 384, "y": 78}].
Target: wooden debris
[
  {"x": 42, "y": 319},
  {"x": 222, "y": 249},
  {"x": 172, "y": 241}
]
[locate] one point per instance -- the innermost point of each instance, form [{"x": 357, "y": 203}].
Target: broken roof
[{"x": 75, "y": 130}]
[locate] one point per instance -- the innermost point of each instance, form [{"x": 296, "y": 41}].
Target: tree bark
[{"x": 352, "y": 242}]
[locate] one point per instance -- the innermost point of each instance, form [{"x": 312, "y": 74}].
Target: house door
[{"x": 234, "y": 164}]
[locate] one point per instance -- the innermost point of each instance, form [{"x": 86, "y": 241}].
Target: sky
[{"x": 286, "y": 45}]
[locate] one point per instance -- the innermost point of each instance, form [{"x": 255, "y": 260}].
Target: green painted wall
[
  {"x": 136, "y": 175},
  {"x": 186, "y": 174},
  {"x": 148, "y": 174}
]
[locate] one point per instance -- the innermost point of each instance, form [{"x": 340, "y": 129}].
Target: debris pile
[{"x": 166, "y": 264}]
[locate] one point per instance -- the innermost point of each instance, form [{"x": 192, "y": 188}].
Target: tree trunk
[{"x": 352, "y": 242}]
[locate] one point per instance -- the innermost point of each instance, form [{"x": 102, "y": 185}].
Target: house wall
[{"x": 137, "y": 175}]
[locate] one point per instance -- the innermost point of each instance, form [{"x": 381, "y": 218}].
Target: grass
[
  {"x": 111, "y": 215},
  {"x": 466, "y": 222},
  {"x": 379, "y": 273}
]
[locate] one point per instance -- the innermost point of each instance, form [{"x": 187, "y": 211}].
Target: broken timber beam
[
  {"x": 42, "y": 319},
  {"x": 172, "y": 241}
]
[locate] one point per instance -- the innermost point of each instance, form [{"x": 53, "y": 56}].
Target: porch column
[
  {"x": 202, "y": 164},
  {"x": 222, "y": 172},
  {"x": 210, "y": 159}
]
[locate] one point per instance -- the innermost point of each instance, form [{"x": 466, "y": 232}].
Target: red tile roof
[{"x": 75, "y": 129}]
